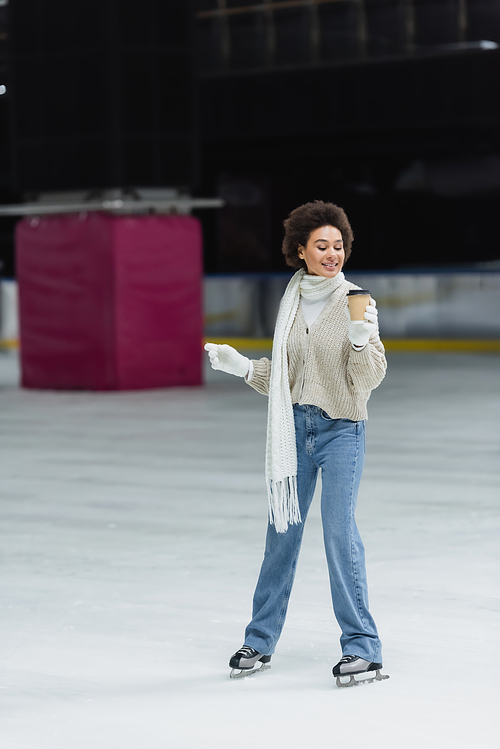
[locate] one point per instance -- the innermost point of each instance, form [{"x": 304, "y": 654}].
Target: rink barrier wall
[
  {"x": 391, "y": 344},
  {"x": 9, "y": 325},
  {"x": 413, "y": 305},
  {"x": 419, "y": 311}
]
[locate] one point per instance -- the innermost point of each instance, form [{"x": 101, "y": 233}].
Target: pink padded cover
[{"x": 110, "y": 302}]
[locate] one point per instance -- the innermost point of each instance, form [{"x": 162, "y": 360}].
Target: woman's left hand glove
[{"x": 359, "y": 332}]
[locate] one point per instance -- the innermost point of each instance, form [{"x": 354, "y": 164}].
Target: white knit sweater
[{"x": 323, "y": 368}]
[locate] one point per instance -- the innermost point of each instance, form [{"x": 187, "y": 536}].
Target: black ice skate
[
  {"x": 353, "y": 664},
  {"x": 244, "y": 662}
]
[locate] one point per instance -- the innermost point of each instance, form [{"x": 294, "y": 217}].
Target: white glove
[
  {"x": 359, "y": 332},
  {"x": 227, "y": 359}
]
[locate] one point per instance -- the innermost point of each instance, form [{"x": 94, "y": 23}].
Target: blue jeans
[{"x": 337, "y": 446}]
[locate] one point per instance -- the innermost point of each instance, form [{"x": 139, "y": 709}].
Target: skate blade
[
  {"x": 237, "y": 673},
  {"x": 353, "y": 682}
]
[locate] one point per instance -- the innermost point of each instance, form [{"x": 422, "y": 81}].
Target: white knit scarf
[{"x": 281, "y": 451}]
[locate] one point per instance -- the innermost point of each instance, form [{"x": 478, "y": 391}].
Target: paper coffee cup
[{"x": 358, "y": 300}]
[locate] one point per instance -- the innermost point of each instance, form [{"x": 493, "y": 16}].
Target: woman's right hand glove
[{"x": 227, "y": 359}]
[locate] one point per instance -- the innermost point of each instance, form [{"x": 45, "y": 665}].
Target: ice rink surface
[{"x": 132, "y": 530}]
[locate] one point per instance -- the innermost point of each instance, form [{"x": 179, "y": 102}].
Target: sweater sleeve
[
  {"x": 261, "y": 375},
  {"x": 366, "y": 368}
]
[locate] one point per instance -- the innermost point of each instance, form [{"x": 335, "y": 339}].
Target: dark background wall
[
  {"x": 100, "y": 93},
  {"x": 387, "y": 107}
]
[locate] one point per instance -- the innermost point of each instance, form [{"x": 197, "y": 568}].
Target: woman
[{"x": 322, "y": 372}]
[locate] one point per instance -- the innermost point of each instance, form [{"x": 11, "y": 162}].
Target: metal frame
[
  {"x": 264, "y": 7},
  {"x": 176, "y": 205},
  {"x": 269, "y": 9}
]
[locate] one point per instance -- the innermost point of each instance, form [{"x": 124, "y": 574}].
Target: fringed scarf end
[{"x": 283, "y": 503}]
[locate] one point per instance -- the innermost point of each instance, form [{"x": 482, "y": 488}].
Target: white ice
[{"x": 132, "y": 529}]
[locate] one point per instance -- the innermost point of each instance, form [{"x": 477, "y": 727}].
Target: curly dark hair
[{"x": 304, "y": 220}]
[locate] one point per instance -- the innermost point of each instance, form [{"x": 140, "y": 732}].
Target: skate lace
[
  {"x": 246, "y": 650},
  {"x": 348, "y": 658}
]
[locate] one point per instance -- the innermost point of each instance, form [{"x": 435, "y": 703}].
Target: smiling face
[{"x": 324, "y": 252}]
